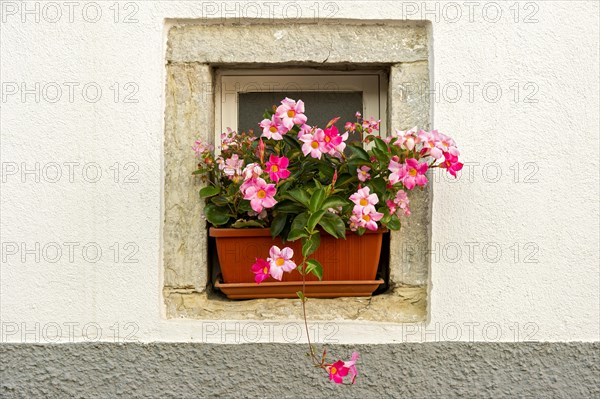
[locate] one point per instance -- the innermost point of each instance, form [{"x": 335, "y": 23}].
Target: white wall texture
[{"x": 515, "y": 240}]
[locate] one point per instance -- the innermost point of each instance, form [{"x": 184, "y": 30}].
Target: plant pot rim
[{"x": 261, "y": 232}]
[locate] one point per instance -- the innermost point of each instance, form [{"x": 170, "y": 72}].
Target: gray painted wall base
[{"x": 183, "y": 370}]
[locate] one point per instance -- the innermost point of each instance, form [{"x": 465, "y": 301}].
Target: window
[
  {"x": 243, "y": 95},
  {"x": 330, "y": 55}
]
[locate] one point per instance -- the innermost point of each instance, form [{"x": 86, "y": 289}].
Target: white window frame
[{"x": 373, "y": 85}]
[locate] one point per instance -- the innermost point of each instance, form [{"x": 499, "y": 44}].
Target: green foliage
[
  {"x": 216, "y": 215},
  {"x": 310, "y": 244},
  {"x": 278, "y": 224},
  {"x": 333, "y": 224},
  {"x": 209, "y": 191},
  {"x": 313, "y": 266}
]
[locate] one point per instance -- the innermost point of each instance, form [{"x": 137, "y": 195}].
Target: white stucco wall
[{"x": 542, "y": 285}]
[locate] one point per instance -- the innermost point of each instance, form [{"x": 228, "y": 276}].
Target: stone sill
[{"x": 400, "y": 305}]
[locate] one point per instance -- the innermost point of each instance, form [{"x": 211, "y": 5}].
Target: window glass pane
[{"x": 320, "y": 108}]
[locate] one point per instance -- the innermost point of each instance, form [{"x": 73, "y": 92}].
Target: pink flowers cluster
[
  {"x": 367, "y": 125},
  {"x": 288, "y": 114},
  {"x": 433, "y": 143},
  {"x": 410, "y": 173},
  {"x": 279, "y": 261},
  {"x": 200, "y": 148},
  {"x": 400, "y": 204},
  {"x": 364, "y": 213},
  {"x": 318, "y": 141},
  {"x": 255, "y": 189}
]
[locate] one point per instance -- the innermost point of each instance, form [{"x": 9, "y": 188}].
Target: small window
[{"x": 243, "y": 95}]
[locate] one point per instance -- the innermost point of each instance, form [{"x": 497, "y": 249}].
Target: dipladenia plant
[{"x": 302, "y": 181}]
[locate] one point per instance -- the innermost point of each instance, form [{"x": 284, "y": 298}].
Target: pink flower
[
  {"x": 251, "y": 172},
  {"x": 429, "y": 140},
  {"x": 363, "y": 173},
  {"x": 407, "y": 139},
  {"x": 354, "y": 222},
  {"x": 228, "y": 139},
  {"x": 451, "y": 164},
  {"x": 314, "y": 144},
  {"x": 260, "y": 194},
  {"x": 334, "y": 142},
  {"x": 280, "y": 261},
  {"x": 351, "y": 365},
  {"x": 232, "y": 166},
  {"x": 273, "y": 128},
  {"x": 199, "y": 147},
  {"x": 277, "y": 168},
  {"x": 370, "y": 125},
  {"x": 304, "y": 129},
  {"x": 358, "y": 115},
  {"x": 369, "y": 220},
  {"x": 410, "y": 173},
  {"x": 446, "y": 144},
  {"x": 364, "y": 202},
  {"x": 261, "y": 269},
  {"x": 402, "y": 202},
  {"x": 391, "y": 206},
  {"x": 349, "y": 127},
  {"x": 291, "y": 113},
  {"x": 395, "y": 167},
  {"x": 337, "y": 372}
]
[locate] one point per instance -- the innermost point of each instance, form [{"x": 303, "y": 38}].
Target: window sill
[{"x": 399, "y": 305}]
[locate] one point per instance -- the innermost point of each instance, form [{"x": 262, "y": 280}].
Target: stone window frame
[{"x": 194, "y": 51}]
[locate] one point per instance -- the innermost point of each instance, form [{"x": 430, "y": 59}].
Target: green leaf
[
  {"x": 313, "y": 266},
  {"x": 300, "y": 221},
  {"x": 316, "y": 200},
  {"x": 300, "y": 295},
  {"x": 310, "y": 245},
  {"x": 219, "y": 200},
  {"x": 334, "y": 202},
  {"x": 240, "y": 224},
  {"x": 288, "y": 206},
  {"x": 382, "y": 156},
  {"x": 300, "y": 195},
  {"x": 278, "y": 224},
  {"x": 244, "y": 206},
  {"x": 289, "y": 140},
  {"x": 333, "y": 224},
  {"x": 216, "y": 215},
  {"x": 296, "y": 234},
  {"x": 209, "y": 191},
  {"x": 359, "y": 152},
  {"x": 344, "y": 179},
  {"x": 380, "y": 144},
  {"x": 394, "y": 223},
  {"x": 326, "y": 170},
  {"x": 378, "y": 185},
  {"x": 314, "y": 219}
]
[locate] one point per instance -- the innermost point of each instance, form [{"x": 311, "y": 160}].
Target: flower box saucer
[{"x": 314, "y": 289}]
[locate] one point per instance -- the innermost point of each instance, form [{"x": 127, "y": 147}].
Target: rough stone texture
[
  {"x": 332, "y": 42},
  {"x": 189, "y": 116},
  {"x": 401, "y": 305},
  {"x": 409, "y": 255},
  {"x": 434, "y": 370}
]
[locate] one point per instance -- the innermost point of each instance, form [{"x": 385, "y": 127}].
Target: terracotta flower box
[{"x": 349, "y": 266}]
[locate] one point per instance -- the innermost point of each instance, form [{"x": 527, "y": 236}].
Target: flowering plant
[{"x": 302, "y": 180}]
